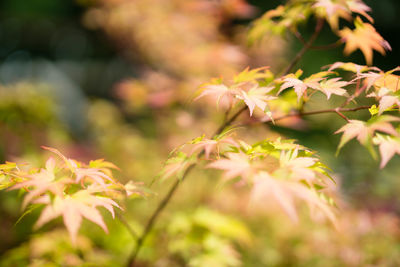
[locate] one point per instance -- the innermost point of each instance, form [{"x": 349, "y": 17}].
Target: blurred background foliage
[{"x": 115, "y": 79}]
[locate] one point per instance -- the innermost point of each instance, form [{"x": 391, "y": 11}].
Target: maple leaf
[
  {"x": 388, "y": 147},
  {"x": 354, "y": 128},
  {"x": 285, "y": 192},
  {"x": 38, "y": 183},
  {"x": 219, "y": 91},
  {"x": 256, "y": 97},
  {"x": 236, "y": 164},
  {"x": 252, "y": 75},
  {"x": 388, "y": 80},
  {"x": 349, "y": 66},
  {"x": 363, "y": 131},
  {"x": 333, "y": 86},
  {"x": 300, "y": 86},
  {"x": 332, "y": 11},
  {"x": 370, "y": 78},
  {"x": 95, "y": 175},
  {"x": 298, "y": 166},
  {"x": 266, "y": 187},
  {"x": 365, "y": 38},
  {"x": 209, "y": 145},
  {"x": 358, "y": 6},
  {"x": 71, "y": 164},
  {"x": 381, "y": 79},
  {"x": 176, "y": 165},
  {"x": 386, "y": 99},
  {"x": 73, "y": 207},
  {"x": 100, "y": 175}
]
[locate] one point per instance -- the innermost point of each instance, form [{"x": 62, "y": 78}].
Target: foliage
[{"x": 263, "y": 173}]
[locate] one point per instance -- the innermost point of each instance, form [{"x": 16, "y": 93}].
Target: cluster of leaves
[
  {"x": 288, "y": 17},
  {"x": 275, "y": 170},
  {"x": 258, "y": 88},
  {"x": 67, "y": 188},
  {"x": 385, "y": 91},
  {"x": 279, "y": 170}
]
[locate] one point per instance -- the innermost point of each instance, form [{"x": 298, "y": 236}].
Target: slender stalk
[
  {"x": 171, "y": 192},
  {"x": 127, "y": 226},
  {"x": 316, "y": 112},
  {"x": 341, "y": 115},
  {"x": 154, "y": 216},
  {"x": 307, "y": 45}
]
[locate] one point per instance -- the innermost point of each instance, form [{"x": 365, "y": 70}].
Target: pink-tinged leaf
[
  {"x": 370, "y": 78},
  {"x": 256, "y": 97},
  {"x": 383, "y": 124},
  {"x": 92, "y": 174},
  {"x": 364, "y": 131},
  {"x": 132, "y": 188},
  {"x": 357, "y": 6},
  {"x": 175, "y": 165},
  {"x": 349, "y": 66},
  {"x": 218, "y": 91},
  {"x": 311, "y": 197},
  {"x": 298, "y": 166},
  {"x": 92, "y": 214},
  {"x": 73, "y": 208},
  {"x": 40, "y": 183},
  {"x": 332, "y": 11},
  {"x": 300, "y": 87},
  {"x": 266, "y": 187},
  {"x": 388, "y": 147},
  {"x": 70, "y": 163},
  {"x": 333, "y": 86},
  {"x": 354, "y": 128},
  {"x": 388, "y": 101},
  {"x": 50, "y": 165},
  {"x": 48, "y": 213},
  {"x": 210, "y": 146},
  {"x": 108, "y": 204},
  {"x": 237, "y": 164},
  {"x": 72, "y": 219}
]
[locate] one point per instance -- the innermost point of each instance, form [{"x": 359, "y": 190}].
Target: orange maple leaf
[{"x": 365, "y": 38}]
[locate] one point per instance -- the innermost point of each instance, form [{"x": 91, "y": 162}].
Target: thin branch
[
  {"x": 228, "y": 122},
  {"x": 307, "y": 45},
  {"x": 127, "y": 226},
  {"x": 156, "y": 213},
  {"x": 341, "y": 115},
  {"x": 315, "y": 112},
  {"x": 171, "y": 192},
  {"x": 317, "y": 47},
  {"x": 328, "y": 46}
]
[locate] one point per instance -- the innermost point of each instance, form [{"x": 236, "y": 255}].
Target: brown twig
[
  {"x": 307, "y": 45},
  {"x": 171, "y": 192},
  {"x": 316, "y": 112}
]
